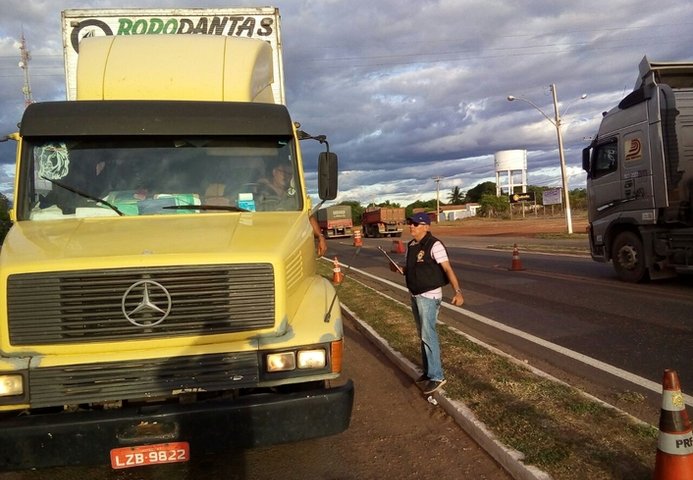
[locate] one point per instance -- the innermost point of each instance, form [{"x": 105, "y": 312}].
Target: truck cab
[{"x": 640, "y": 177}]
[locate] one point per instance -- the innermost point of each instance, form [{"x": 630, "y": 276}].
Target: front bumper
[{"x": 256, "y": 420}]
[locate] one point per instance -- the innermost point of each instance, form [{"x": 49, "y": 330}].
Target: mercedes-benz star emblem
[{"x": 147, "y": 312}]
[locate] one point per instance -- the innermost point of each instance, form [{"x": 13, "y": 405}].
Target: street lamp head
[
  {"x": 583, "y": 96},
  {"x": 510, "y": 98}
]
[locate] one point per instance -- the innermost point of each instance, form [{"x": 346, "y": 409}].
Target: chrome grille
[
  {"x": 141, "y": 379},
  {"x": 87, "y": 306}
]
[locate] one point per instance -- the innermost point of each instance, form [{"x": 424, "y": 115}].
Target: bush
[
  {"x": 492, "y": 206},
  {"x": 4, "y": 228}
]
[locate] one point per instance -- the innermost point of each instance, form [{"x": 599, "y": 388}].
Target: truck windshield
[{"x": 95, "y": 176}]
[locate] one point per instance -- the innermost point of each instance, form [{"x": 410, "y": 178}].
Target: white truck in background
[
  {"x": 640, "y": 177},
  {"x": 155, "y": 306}
]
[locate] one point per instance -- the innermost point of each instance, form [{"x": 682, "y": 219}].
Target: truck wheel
[{"x": 629, "y": 257}]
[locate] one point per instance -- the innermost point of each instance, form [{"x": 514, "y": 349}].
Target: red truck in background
[
  {"x": 383, "y": 222},
  {"x": 335, "y": 221}
]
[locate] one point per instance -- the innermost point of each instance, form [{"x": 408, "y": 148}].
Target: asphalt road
[{"x": 571, "y": 302}]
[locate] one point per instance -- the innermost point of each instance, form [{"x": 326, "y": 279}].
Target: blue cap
[{"x": 420, "y": 217}]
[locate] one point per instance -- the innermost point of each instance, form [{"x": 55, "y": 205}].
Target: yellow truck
[{"x": 157, "y": 305}]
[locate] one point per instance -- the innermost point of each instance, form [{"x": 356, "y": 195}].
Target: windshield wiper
[
  {"x": 227, "y": 208},
  {"x": 84, "y": 194}
]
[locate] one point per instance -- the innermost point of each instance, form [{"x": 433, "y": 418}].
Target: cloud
[{"x": 408, "y": 92}]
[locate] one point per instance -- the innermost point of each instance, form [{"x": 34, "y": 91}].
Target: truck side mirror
[
  {"x": 586, "y": 159},
  {"x": 327, "y": 175}
]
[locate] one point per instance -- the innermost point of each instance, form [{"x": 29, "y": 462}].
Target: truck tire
[{"x": 628, "y": 256}]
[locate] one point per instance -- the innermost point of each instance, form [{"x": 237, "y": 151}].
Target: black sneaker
[
  {"x": 421, "y": 379},
  {"x": 433, "y": 385}
]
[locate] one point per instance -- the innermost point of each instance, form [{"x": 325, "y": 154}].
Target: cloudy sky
[{"x": 409, "y": 91}]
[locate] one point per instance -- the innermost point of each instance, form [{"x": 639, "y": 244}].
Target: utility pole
[
  {"x": 564, "y": 176},
  {"x": 24, "y": 65},
  {"x": 556, "y": 122},
  {"x": 437, "y": 180}
]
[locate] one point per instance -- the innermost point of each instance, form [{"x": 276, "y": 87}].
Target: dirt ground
[{"x": 525, "y": 227}]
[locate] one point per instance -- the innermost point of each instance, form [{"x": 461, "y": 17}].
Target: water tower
[{"x": 511, "y": 171}]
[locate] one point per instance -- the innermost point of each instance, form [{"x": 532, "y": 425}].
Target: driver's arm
[{"x": 322, "y": 245}]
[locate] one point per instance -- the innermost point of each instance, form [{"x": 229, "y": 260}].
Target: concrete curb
[{"x": 509, "y": 459}]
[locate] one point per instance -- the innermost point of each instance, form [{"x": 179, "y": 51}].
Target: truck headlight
[
  {"x": 281, "y": 362},
  {"x": 311, "y": 358},
  {"x": 11, "y": 385}
]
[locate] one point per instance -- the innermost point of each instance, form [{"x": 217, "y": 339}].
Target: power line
[{"x": 456, "y": 54}]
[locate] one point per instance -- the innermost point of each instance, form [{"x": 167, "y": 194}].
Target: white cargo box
[{"x": 244, "y": 22}]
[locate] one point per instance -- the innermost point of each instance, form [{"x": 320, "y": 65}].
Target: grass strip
[{"x": 557, "y": 428}]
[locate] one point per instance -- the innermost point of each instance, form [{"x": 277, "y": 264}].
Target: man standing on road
[{"x": 427, "y": 271}]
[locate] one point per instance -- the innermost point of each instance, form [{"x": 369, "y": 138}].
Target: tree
[
  {"x": 493, "y": 206},
  {"x": 578, "y": 198},
  {"x": 538, "y": 193},
  {"x": 4, "y": 207},
  {"x": 4, "y": 217},
  {"x": 427, "y": 206},
  {"x": 356, "y": 211},
  {"x": 456, "y": 197},
  {"x": 474, "y": 195}
]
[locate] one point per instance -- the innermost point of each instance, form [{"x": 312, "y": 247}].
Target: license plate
[{"x": 127, "y": 457}]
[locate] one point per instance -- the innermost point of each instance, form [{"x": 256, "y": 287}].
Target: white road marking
[{"x": 592, "y": 362}]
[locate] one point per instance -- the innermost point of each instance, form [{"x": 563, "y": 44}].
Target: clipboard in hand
[{"x": 399, "y": 269}]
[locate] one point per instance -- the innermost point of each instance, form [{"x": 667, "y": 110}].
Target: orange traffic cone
[
  {"x": 675, "y": 444},
  {"x": 397, "y": 246},
  {"x": 337, "y": 275},
  {"x": 517, "y": 263},
  {"x": 358, "y": 242}
]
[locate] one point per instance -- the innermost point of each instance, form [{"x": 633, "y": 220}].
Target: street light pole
[
  {"x": 556, "y": 122},
  {"x": 561, "y": 156},
  {"x": 437, "y": 179}
]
